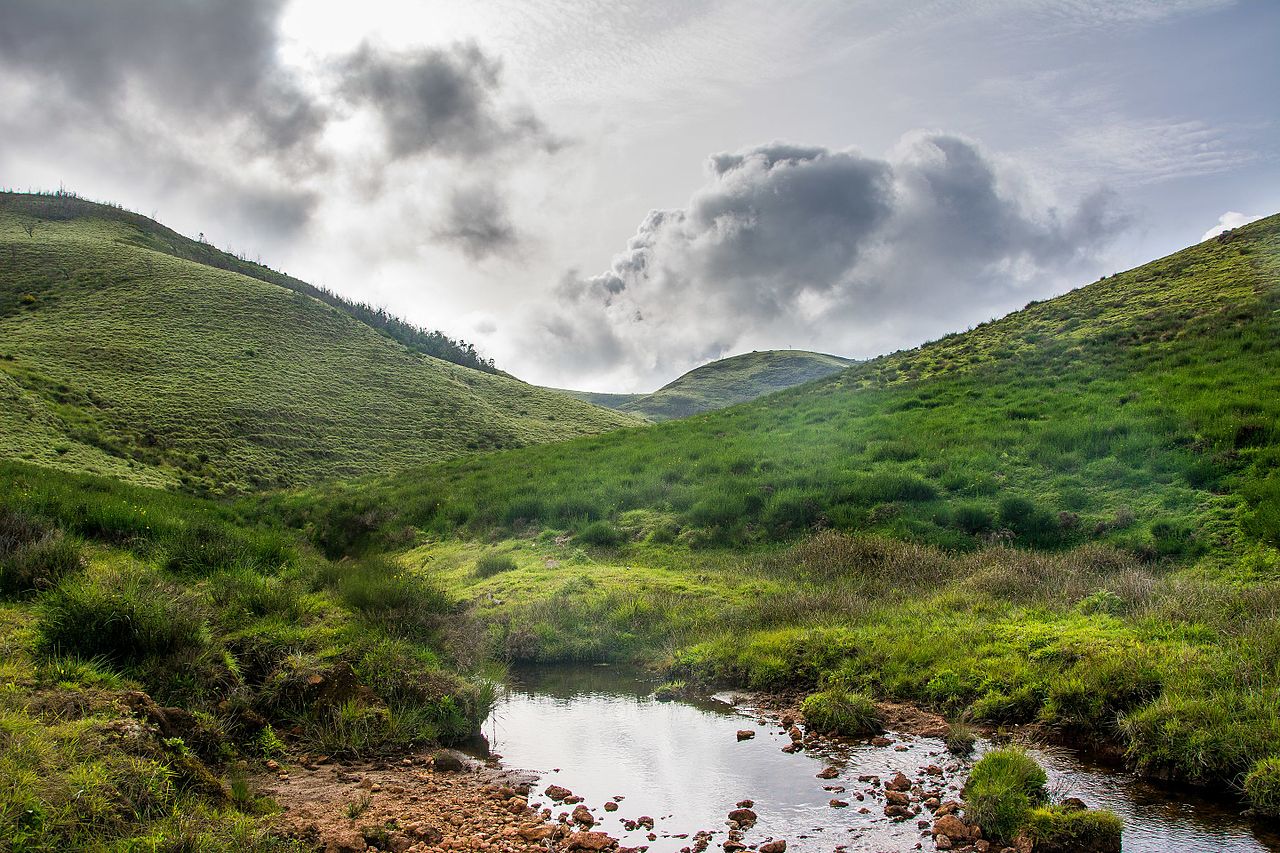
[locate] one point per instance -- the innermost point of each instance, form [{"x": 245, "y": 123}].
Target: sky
[{"x": 603, "y": 194}]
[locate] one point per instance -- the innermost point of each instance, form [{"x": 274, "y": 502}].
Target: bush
[
  {"x": 792, "y": 510},
  {"x": 1033, "y": 525},
  {"x": 972, "y": 518},
  {"x": 38, "y": 563},
  {"x": 840, "y": 711},
  {"x": 1002, "y": 789},
  {"x": 204, "y": 548},
  {"x": 1099, "y": 688},
  {"x": 1065, "y": 828},
  {"x": 492, "y": 564},
  {"x": 125, "y": 619},
  {"x": 600, "y": 533},
  {"x": 378, "y": 586},
  {"x": 1262, "y": 787}
]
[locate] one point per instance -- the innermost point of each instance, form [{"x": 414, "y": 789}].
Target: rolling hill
[
  {"x": 723, "y": 383},
  {"x": 1152, "y": 392},
  {"x": 1068, "y": 516},
  {"x": 128, "y": 350}
]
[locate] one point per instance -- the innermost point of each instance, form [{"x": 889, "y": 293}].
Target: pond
[{"x": 597, "y": 731}]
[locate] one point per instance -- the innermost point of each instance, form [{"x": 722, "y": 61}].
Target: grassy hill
[
  {"x": 723, "y": 383},
  {"x": 128, "y": 350},
  {"x": 1070, "y": 515},
  {"x": 1151, "y": 393}
]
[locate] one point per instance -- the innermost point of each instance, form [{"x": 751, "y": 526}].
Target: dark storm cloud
[
  {"x": 196, "y": 91},
  {"x": 441, "y": 100},
  {"x": 477, "y": 221},
  {"x": 201, "y": 61},
  {"x": 788, "y": 243}
]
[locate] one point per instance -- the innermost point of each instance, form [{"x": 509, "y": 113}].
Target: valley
[{"x": 1058, "y": 525}]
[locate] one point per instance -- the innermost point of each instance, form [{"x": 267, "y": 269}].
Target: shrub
[
  {"x": 1099, "y": 688},
  {"x": 600, "y": 533},
  {"x": 378, "y": 586},
  {"x": 1033, "y": 525},
  {"x": 1066, "y": 828},
  {"x": 39, "y": 564},
  {"x": 792, "y": 510},
  {"x": 202, "y": 549},
  {"x": 492, "y": 564},
  {"x": 1019, "y": 706},
  {"x": 972, "y": 518},
  {"x": 1262, "y": 787},
  {"x": 840, "y": 711},
  {"x": 124, "y": 620},
  {"x": 1002, "y": 789},
  {"x": 887, "y": 487}
]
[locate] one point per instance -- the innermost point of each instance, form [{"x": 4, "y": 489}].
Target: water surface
[{"x": 597, "y": 731}]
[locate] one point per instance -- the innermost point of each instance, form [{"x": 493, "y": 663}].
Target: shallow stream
[{"x": 597, "y": 731}]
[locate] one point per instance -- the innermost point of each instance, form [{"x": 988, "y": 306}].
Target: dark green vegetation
[
  {"x": 1262, "y": 787},
  {"x": 128, "y": 350},
  {"x": 1066, "y": 516},
  {"x": 1006, "y": 795},
  {"x": 246, "y": 647},
  {"x": 723, "y": 383},
  {"x": 837, "y": 710},
  {"x": 1002, "y": 789}
]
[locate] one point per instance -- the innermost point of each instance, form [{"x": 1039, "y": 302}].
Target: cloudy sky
[{"x": 602, "y": 194}]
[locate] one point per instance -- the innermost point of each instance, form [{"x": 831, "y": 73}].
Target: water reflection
[{"x": 597, "y": 731}]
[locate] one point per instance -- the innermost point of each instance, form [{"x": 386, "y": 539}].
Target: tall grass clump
[
  {"x": 1262, "y": 787},
  {"x": 33, "y": 554},
  {"x": 1066, "y": 828},
  {"x": 1002, "y": 789},
  {"x": 492, "y": 564},
  {"x": 838, "y": 710},
  {"x": 600, "y": 533},
  {"x": 124, "y": 619}
]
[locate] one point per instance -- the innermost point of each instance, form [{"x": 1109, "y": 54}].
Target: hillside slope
[
  {"x": 118, "y": 357},
  {"x": 724, "y": 383},
  {"x": 1140, "y": 409},
  {"x": 1070, "y": 516}
]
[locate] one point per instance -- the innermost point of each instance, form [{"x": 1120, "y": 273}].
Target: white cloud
[
  {"x": 793, "y": 244},
  {"x": 1227, "y": 221}
]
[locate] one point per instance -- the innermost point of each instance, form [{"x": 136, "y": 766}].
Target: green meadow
[
  {"x": 1068, "y": 515},
  {"x": 128, "y": 351},
  {"x": 273, "y": 528}
]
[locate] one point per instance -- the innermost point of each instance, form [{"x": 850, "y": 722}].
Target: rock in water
[
  {"x": 745, "y": 734},
  {"x": 449, "y": 761},
  {"x": 899, "y": 783},
  {"x": 590, "y": 841}
]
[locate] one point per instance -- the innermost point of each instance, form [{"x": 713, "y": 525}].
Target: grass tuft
[{"x": 837, "y": 710}]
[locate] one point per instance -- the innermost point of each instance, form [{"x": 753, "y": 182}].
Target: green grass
[
  {"x": 837, "y": 710},
  {"x": 1059, "y": 828},
  {"x": 258, "y": 647},
  {"x": 133, "y": 356},
  {"x": 1001, "y": 790},
  {"x": 1262, "y": 787},
  {"x": 1137, "y": 411},
  {"x": 723, "y": 383},
  {"x": 1064, "y": 516}
]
